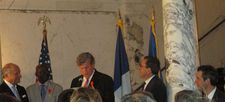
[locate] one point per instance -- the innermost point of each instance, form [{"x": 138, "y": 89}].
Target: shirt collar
[
  {"x": 46, "y": 83},
  {"x": 9, "y": 84},
  {"x": 211, "y": 94},
  {"x": 84, "y": 79},
  {"x": 148, "y": 80}
]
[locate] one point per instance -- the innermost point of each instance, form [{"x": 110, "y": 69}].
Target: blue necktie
[
  {"x": 43, "y": 92},
  {"x": 16, "y": 92}
]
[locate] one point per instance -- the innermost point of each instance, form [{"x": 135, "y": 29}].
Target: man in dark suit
[
  {"x": 206, "y": 80},
  {"x": 11, "y": 78},
  {"x": 90, "y": 77},
  {"x": 149, "y": 68}
]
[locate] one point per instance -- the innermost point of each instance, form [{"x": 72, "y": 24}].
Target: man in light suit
[
  {"x": 149, "y": 68},
  {"x": 43, "y": 90},
  {"x": 206, "y": 80},
  {"x": 90, "y": 77},
  {"x": 11, "y": 78}
]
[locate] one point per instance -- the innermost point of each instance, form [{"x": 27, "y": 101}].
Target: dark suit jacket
[
  {"x": 219, "y": 96},
  {"x": 157, "y": 88},
  {"x": 4, "y": 88},
  {"x": 102, "y": 82}
]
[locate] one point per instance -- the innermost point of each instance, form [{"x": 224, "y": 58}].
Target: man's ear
[
  {"x": 149, "y": 70},
  {"x": 207, "y": 81}
]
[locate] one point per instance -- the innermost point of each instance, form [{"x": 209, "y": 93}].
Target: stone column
[{"x": 180, "y": 44}]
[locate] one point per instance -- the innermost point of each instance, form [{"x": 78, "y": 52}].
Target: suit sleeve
[
  {"x": 58, "y": 90},
  {"x": 108, "y": 92},
  {"x": 28, "y": 94},
  {"x": 73, "y": 83},
  {"x": 23, "y": 94}
]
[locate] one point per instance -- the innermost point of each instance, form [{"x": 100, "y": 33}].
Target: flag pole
[
  {"x": 44, "y": 57},
  {"x": 44, "y": 20}
]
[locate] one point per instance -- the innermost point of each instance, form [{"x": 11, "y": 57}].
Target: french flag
[{"x": 122, "y": 85}]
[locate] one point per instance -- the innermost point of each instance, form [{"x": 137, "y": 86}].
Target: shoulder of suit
[
  {"x": 20, "y": 87},
  {"x": 220, "y": 92},
  {"x": 103, "y": 75},
  {"x": 56, "y": 85},
  {"x": 78, "y": 77},
  {"x": 31, "y": 86},
  {"x": 3, "y": 86}
]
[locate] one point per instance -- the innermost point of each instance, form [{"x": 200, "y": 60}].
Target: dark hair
[
  {"x": 153, "y": 63},
  {"x": 84, "y": 57},
  {"x": 64, "y": 96},
  {"x": 209, "y": 72},
  {"x": 43, "y": 67}
]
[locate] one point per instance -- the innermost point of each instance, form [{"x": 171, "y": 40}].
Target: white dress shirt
[
  {"x": 211, "y": 94},
  {"x": 85, "y": 79},
  {"x": 147, "y": 81}
]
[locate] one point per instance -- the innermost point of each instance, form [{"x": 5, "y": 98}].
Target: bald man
[{"x": 11, "y": 78}]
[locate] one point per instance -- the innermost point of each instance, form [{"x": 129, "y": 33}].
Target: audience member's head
[
  {"x": 42, "y": 73},
  {"x": 86, "y": 95},
  {"x": 206, "y": 78},
  {"x": 7, "y": 98},
  {"x": 11, "y": 73},
  {"x": 138, "y": 97},
  {"x": 189, "y": 96},
  {"x": 65, "y": 95}
]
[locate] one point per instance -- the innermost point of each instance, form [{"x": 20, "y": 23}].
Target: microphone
[{"x": 80, "y": 79}]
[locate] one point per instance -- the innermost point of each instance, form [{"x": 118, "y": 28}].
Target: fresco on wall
[{"x": 134, "y": 42}]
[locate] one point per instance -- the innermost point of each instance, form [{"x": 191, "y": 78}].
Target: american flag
[{"x": 44, "y": 56}]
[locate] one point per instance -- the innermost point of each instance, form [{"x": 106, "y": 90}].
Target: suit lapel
[
  {"x": 80, "y": 80},
  {"x": 140, "y": 88},
  {"x": 20, "y": 91},
  {"x": 6, "y": 87},
  {"x": 217, "y": 96},
  {"x": 49, "y": 92},
  {"x": 37, "y": 93},
  {"x": 151, "y": 83},
  {"x": 94, "y": 79}
]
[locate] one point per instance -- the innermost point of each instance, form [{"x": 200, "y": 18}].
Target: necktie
[
  {"x": 86, "y": 83},
  {"x": 43, "y": 92},
  {"x": 15, "y": 92},
  {"x": 140, "y": 88}
]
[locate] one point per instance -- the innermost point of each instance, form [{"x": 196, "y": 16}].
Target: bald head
[{"x": 11, "y": 73}]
